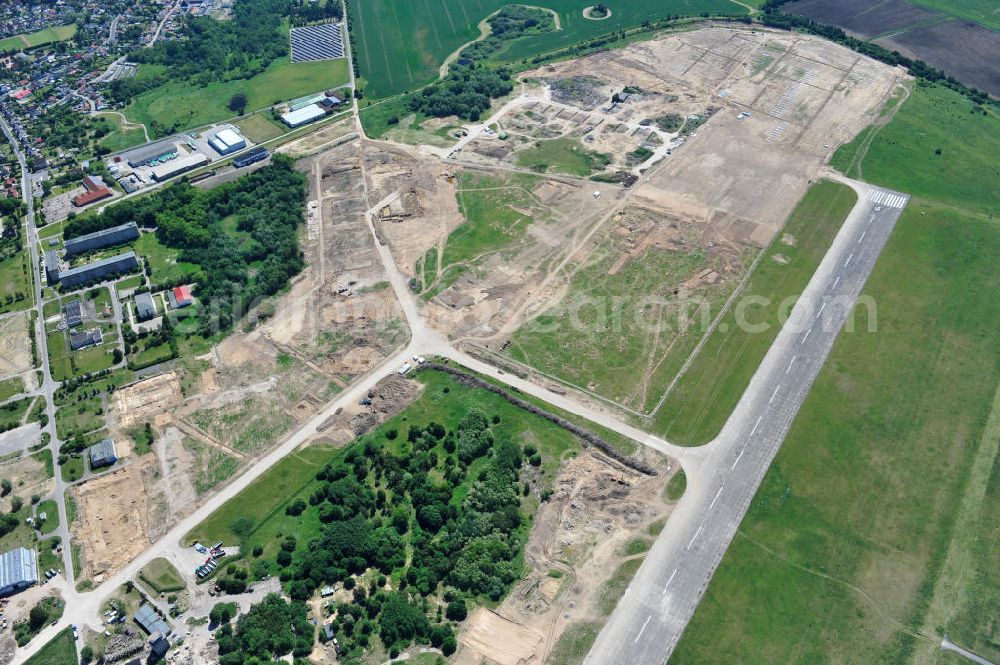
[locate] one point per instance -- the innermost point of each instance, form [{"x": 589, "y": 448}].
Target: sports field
[
  {"x": 178, "y": 106},
  {"x": 47, "y": 36},
  {"x": 400, "y": 46},
  {"x": 874, "y": 531}
]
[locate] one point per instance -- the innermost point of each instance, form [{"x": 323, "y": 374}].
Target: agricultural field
[
  {"x": 983, "y": 12},
  {"x": 878, "y": 511},
  {"x": 394, "y": 58},
  {"x": 47, "y": 36},
  {"x": 178, "y": 106},
  {"x": 694, "y": 412}
]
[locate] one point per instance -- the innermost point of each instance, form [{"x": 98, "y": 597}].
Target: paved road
[
  {"x": 662, "y": 597},
  {"x": 948, "y": 645}
]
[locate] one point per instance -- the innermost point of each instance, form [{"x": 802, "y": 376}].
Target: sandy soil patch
[{"x": 144, "y": 400}]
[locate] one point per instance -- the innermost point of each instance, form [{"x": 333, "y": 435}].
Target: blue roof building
[{"x": 18, "y": 570}]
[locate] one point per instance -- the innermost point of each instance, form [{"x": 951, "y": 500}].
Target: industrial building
[
  {"x": 18, "y": 570},
  {"x": 178, "y": 166},
  {"x": 52, "y": 266},
  {"x": 227, "y": 141},
  {"x": 251, "y": 156},
  {"x": 145, "y": 308},
  {"x": 150, "y": 621},
  {"x": 148, "y": 154},
  {"x": 303, "y": 116},
  {"x": 98, "y": 270},
  {"x": 74, "y": 313},
  {"x": 94, "y": 190},
  {"x": 81, "y": 340},
  {"x": 113, "y": 236},
  {"x": 102, "y": 453}
]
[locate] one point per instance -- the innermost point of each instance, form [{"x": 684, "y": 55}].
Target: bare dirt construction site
[
  {"x": 600, "y": 515},
  {"x": 578, "y": 208},
  {"x": 15, "y": 349},
  {"x": 216, "y": 413}
]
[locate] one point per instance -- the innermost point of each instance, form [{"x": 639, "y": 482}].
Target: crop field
[
  {"x": 498, "y": 210},
  {"x": 874, "y": 531},
  {"x": 400, "y": 46},
  {"x": 984, "y": 12},
  {"x": 707, "y": 393},
  {"x": 181, "y": 105},
  {"x": 46, "y": 36}
]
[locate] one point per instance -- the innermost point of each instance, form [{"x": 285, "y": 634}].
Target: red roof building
[
  {"x": 182, "y": 296},
  {"x": 90, "y": 196}
]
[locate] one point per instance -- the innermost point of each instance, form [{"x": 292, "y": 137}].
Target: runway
[{"x": 663, "y": 595}]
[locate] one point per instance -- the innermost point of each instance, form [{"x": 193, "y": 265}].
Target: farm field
[
  {"x": 983, "y": 12},
  {"x": 179, "y": 106},
  {"x": 879, "y": 512},
  {"x": 394, "y": 57},
  {"x": 46, "y": 36},
  {"x": 704, "y": 397}
]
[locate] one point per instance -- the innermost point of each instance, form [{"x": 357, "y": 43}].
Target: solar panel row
[{"x": 317, "y": 42}]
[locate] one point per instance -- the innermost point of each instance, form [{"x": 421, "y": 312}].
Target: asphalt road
[{"x": 656, "y": 608}]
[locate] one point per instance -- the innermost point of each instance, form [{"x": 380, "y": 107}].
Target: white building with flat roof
[
  {"x": 227, "y": 141},
  {"x": 303, "y": 115}
]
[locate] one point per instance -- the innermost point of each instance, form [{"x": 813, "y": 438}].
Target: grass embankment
[
  {"x": 395, "y": 58},
  {"x": 47, "y": 36},
  {"x": 704, "y": 397},
  {"x": 847, "y": 554},
  {"x": 161, "y": 575},
  {"x": 182, "y": 105},
  {"x": 60, "y": 650},
  {"x": 498, "y": 210}
]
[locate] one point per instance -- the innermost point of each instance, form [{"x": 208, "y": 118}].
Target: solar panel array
[{"x": 317, "y": 42}]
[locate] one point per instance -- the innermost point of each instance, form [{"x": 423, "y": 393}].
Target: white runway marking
[
  {"x": 738, "y": 459},
  {"x": 848, "y": 261},
  {"x": 775, "y": 394},
  {"x": 669, "y": 581},
  {"x": 755, "y": 425},
  {"x": 643, "y": 627},
  {"x": 807, "y": 335},
  {"x": 790, "y": 363},
  {"x": 862, "y": 236},
  {"x": 836, "y": 281},
  {"x": 696, "y": 534},
  {"x": 715, "y": 499},
  {"x": 821, "y": 308}
]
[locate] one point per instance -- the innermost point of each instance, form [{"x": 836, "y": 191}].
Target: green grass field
[
  {"x": 182, "y": 105},
  {"x": 964, "y": 174},
  {"x": 259, "y": 127},
  {"x": 875, "y": 529},
  {"x": 164, "y": 265},
  {"x": 400, "y": 46},
  {"x": 562, "y": 155},
  {"x": 120, "y": 138},
  {"x": 60, "y": 650},
  {"x": 492, "y": 225},
  {"x": 47, "y": 36},
  {"x": 705, "y": 396},
  {"x": 161, "y": 575},
  {"x": 10, "y": 387},
  {"x": 51, "y": 511},
  {"x": 15, "y": 283}
]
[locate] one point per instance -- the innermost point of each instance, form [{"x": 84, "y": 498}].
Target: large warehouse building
[
  {"x": 303, "y": 115},
  {"x": 227, "y": 141},
  {"x": 99, "y": 269},
  {"x": 18, "y": 570},
  {"x": 113, "y": 236},
  {"x": 102, "y": 453},
  {"x": 178, "y": 166},
  {"x": 150, "y": 153}
]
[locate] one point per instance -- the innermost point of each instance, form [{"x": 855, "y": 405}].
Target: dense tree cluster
[
  {"x": 438, "y": 509},
  {"x": 237, "y": 270},
  {"x": 209, "y": 50},
  {"x": 271, "y": 629},
  {"x": 304, "y": 12},
  {"x": 466, "y": 92},
  {"x": 509, "y": 23}
]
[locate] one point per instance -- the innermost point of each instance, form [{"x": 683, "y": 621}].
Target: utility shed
[
  {"x": 150, "y": 621},
  {"x": 18, "y": 570}
]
